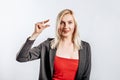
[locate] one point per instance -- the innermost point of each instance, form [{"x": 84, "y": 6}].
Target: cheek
[
  {"x": 59, "y": 30},
  {"x": 72, "y": 28}
]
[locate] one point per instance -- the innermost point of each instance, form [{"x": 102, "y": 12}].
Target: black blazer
[{"x": 46, "y": 55}]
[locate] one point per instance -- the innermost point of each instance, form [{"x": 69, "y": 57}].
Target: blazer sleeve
[
  {"x": 87, "y": 71},
  {"x": 27, "y": 53}
]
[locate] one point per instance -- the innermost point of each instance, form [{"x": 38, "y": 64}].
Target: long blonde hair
[{"x": 76, "y": 38}]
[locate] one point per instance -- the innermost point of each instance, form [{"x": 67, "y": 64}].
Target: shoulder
[
  {"x": 85, "y": 43},
  {"x": 47, "y": 42},
  {"x": 86, "y": 46}
]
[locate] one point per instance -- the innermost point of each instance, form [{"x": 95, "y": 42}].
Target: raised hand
[{"x": 39, "y": 27}]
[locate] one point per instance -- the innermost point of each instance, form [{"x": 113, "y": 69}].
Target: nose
[{"x": 66, "y": 25}]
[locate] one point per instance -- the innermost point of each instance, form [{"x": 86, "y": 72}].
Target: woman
[{"x": 64, "y": 57}]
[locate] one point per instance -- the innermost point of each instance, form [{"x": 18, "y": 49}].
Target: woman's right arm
[{"x": 26, "y": 53}]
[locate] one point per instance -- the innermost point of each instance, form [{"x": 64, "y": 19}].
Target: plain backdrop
[{"x": 98, "y": 21}]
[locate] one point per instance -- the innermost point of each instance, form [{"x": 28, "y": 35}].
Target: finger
[
  {"x": 46, "y": 26},
  {"x": 43, "y": 22},
  {"x": 39, "y": 27},
  {"x": 46, "y": 21}
]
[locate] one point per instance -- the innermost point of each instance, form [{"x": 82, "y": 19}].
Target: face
[{"x": 67, "y": 26}]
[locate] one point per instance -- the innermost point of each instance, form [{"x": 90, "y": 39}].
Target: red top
[{"x": 64, "y": 68}]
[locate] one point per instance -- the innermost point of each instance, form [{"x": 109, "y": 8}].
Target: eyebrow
[{"x": 64, "y": 21}]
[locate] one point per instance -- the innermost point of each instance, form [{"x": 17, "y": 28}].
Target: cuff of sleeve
[{"x": 29, "y": 41}]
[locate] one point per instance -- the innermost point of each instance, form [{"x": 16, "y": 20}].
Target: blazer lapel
[
  {"x": 81, "y": 64},
  {"x": 51, "y": 59}
]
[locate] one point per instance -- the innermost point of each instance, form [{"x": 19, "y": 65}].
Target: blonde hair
[{"x": 75, "y": 38}]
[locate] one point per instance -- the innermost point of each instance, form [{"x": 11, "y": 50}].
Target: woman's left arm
[{"x": 86, "y": 74}]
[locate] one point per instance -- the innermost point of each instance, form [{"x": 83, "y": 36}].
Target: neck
[{"x": 66, "y": 41}]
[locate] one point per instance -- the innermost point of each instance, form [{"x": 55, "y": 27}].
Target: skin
[
  {"x": 65, "y": 48},
  {"x": 66, "y": 29},
  {"x": 67, "y": 26},
  {"x": 39, "y": 27}
]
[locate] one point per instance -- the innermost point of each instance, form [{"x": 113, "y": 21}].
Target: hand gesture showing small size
[{"x": 39, "y": 27}]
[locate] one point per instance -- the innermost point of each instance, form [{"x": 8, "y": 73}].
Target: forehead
[{"x": 67, "y": 17}]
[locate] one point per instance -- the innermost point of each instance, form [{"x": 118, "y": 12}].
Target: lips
[{"x": 66, "y": 30}]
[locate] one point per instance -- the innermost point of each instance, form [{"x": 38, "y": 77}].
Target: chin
[{"x": 66, "y": 35}]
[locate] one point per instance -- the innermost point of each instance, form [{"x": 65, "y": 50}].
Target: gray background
[{"x": 99, "y": 24}]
